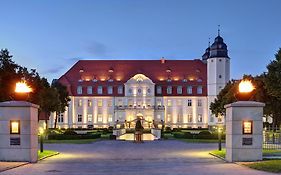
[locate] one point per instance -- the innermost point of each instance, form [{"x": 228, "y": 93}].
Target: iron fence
[{"x": 272, "y": 138}]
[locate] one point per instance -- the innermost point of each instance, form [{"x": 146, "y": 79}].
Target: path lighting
[
  {"x": 245, "y": 90},
  {"x": 219, "y": 136},
  {"x": 22, "y": 91},
  {"x": 41, "y": 133}
]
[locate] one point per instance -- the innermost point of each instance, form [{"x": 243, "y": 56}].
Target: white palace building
[{"x": 176, "y": 92}]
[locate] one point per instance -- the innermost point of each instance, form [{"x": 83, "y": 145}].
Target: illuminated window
[
  {"x": 14, "y": 127},
  {"x": 189, "y": 89},
  {"x": 99, "y": 117},
  {"x": 90, "y": 117},
  {"x": 120, "y": 89},
  {"x": 169, "y": 102},
  {"x": 99, "y": 103},
  {"x": 199, "y": 90},
  {"x": 169, "y": 90},
  {"x": 89, "y": 90},
  {"x": 159, "y": 102},
  {"x": 159, "y": 90},
  {"x": 79, "y": 89},
  {"x": 89, "y": 103},
  {"x": 109, "y": 89},
  {"x": 120, "y": 102},
  {"x": 168, "y": 117},
  {"x": 79, "y": 118},
  {"x": 200, "y": 118},
  {"x": 158, "y": 116},
  {"x": 130, "y": 102},
  {"x": 109, "y": 103},
  {"x": 199, "y": 102},
  {"x": 79, "y": 102},
  {"x": 99, "y": 89},
  {"x": 110, "y": 118},
  {"x": 179, "y": 89},
  {"x": 189, "y": 102},
  {"x": 189, "y": 118}
]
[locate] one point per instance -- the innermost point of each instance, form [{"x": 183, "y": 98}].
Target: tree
[{"x": 63, "y": 99}]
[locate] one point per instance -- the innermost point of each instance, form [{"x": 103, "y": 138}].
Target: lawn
[
  {"x": 264, "y": 153},
  {"x": 266, "y": 165},
  {"x": 200, "y": 140},
  {"x": 46, "y": 153},
  {"x": 77, "y": 141}
]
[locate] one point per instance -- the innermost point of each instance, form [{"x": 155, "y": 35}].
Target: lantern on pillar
[
  {"x": 22, "y": 91},
  {"x": 245, "y": 90}
]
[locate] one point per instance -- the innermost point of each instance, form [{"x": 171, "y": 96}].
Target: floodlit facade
[{"x": 176, "y": 92}]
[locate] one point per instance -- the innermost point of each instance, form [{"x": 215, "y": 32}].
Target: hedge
[
  {"x": 73, "y": 137},
  {"x": 201, "y": 135}
]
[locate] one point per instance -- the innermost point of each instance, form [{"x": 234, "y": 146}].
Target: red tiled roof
[{"x": 120, "y": 71}]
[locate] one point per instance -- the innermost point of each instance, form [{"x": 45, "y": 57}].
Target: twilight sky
[{"x": 52, "y": 35}]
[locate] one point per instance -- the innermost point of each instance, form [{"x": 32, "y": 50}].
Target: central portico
[{"x": 140, "y": 100}]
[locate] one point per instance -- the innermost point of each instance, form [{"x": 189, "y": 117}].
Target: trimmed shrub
[
  {"x": 205, "y": 135},
  {"x": 179, "y": 135},
  {"x": 70, "y": 132},
  {"x": 176, "y": 129},
  {"x": 168, "y": 129}
]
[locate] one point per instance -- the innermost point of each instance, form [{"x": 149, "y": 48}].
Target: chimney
[{"x": 163, "y": 60}]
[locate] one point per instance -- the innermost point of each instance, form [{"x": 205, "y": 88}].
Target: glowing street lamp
[
  {"x": 245, "y": 90},
  {"x": 22, "y": 91}
]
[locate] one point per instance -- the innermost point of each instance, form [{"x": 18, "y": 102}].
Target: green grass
[
  {"x": 77, "y": 141},
  {"x": 46, "y": 153},
  {"x": 264, "y": 153},
  {"x": 266, "y": 165},
  {"x": 200, "y": 140}
]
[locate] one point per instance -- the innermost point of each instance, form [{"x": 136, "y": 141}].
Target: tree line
[
  {"x": 50, "y": 97},
  {"x": 267, "y": 90}
]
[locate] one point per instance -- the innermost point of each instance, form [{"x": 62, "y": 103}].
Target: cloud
[
  {"x": 97, "y": 49},
  {"x": 53, "y": 70}
]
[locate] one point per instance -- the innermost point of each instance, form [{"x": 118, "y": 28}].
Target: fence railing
[{"x": 272, "y": 138}]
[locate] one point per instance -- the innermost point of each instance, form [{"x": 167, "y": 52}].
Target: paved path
[{"x": 126, "y": 158}]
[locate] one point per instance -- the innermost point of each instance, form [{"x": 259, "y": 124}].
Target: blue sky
[{"x": 52, "y": 35}]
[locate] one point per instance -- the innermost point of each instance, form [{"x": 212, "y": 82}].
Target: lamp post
[
  {"x": 41, "y": 132},
  {"x": 219, "y": 136},
  {"x": 22, "y": 91}
]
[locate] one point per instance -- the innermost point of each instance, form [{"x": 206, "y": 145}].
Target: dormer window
[
  {"x": 159, "y": 90},
  {"x": 199, "y": 90},
  {"x": 199, "y": 80},
  {"x": 95, "y": 80},
  {"x": 189, "y": 89},
  {"x": 120, "y": 89},
  {"x": 179, "y": 90},
  {"x": 184, "y": 80},
  {"x": 89, "y": 90},
  {"x": 79, "y": 90},
  {"x": 169, "y": 80},
  {"x": 110, "y": 90},
  {"x": 99, "y": 89},
  {"x": 80, "y": 80},
  {"x": 81, "y": 70},
  {"x": 169, "y": 90},
  {"x": 110, "y": 80}
]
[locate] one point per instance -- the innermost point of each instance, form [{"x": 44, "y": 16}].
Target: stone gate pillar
[
  {"x": 244, "y": 127},
  {"x": 18, "y": 131}
]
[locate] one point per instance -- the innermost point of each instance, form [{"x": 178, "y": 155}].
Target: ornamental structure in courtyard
[{"x": 176, "y": 92}]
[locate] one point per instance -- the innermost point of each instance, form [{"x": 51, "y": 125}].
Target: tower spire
[
  {"x": 209, "y": 42},
  {"x": 219, "y": 31}
]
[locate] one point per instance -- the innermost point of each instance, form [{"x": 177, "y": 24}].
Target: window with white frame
[
  {"x": 179, "y": 90},
  {"x": 199, "y": 103},
  {"x": 159, "y": 102},
  {"x": 99, "y": 89},
  {"x": 189, "y": 89},
  {"x": 110, "y": 119},
  {"x": 169, "y": 102},
  {"x": 130, "y": 102},
  {"x": 109, "y": 90},
  {"x": 90, "y": 118},
  {"x": 169, "y": 90},
  {"x": 120, "y": 90},
  {"x": 79, "y": 90},
  {"x": 99, "y": 117},
  {"x": 159, "y": 90},
  {"x": 189, "y": 102},
  {"x": 89, "y": 103},
  {"x": 199, "y": 90},
  {"x": 189, "y": 118},
  {"x": 79, "y": 118},
  {"x": 99, "y": 102},
  {"x": 60, "y": 118},
  {"x": 89, "y": 90},
  {"x": 200, "y": 118},
  {"x": 79, "y": 102}
]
